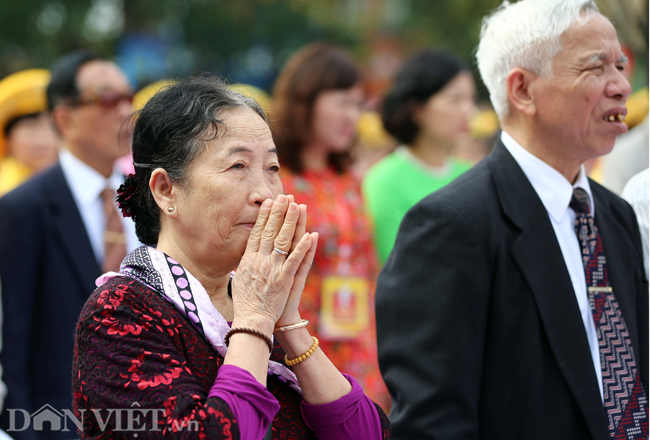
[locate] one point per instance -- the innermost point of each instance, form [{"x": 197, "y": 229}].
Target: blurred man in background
[{"x": 58, "y": 232}]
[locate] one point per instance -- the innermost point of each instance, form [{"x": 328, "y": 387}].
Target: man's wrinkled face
[{"x": 582, "y": 105}]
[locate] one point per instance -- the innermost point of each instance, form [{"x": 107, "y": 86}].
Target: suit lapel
[
  {"x": 71, "y": 231},
  {"x": 538, "y": 255}
]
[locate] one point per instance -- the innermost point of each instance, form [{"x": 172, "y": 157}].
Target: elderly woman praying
[{"x": 199, "y": 334}]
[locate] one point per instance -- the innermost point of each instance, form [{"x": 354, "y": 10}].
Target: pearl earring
[{"x": 170, "y": 209}]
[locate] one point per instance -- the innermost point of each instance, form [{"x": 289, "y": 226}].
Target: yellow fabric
[
  {"x": 371, "y": 131},
  {"x": 637, "y": 107},
  {"x": 12, "y": 174},
  {"x": 259, "y": 95},
  {"x": 484, "y": 124},
  {"x": 145, "y": 94},
  {"x": 21, "y": 93},
  {"x": 141, "y": 98}
]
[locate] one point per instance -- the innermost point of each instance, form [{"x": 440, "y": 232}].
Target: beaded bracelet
[
  {"x": 249, "y": 331},
  {"x": 286, "y": 328},
  {"x": 304, "y": 356}
]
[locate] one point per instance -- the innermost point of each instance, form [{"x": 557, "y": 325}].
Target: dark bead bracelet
[{"x": 249, "y": 331}]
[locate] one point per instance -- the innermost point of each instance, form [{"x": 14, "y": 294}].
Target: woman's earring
[{"x": 170, "y": 209}]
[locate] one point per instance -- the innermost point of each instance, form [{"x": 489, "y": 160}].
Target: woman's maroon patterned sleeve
[
  {"x": 131, "y": 377},
  {"x": 385, "y": 424}
]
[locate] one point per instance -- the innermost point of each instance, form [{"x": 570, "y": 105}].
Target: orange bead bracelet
[{"x": 302, "y": 357}]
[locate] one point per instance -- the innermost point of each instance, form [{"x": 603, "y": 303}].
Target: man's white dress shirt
[
  {"x": 555, "y": 191},
  {"x": 86, "y": 185}
]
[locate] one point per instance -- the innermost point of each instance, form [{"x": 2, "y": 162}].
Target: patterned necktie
[
  {"x": 624, "y": 399},
  {"x": 114, "y": 240}
]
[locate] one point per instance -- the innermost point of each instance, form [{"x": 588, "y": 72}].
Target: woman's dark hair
[
  {"x": 11, "y": 124},
  {"x": 420, "y": 77},
  {"x": 170, "y": 132},
  {"x": 312, "y": 70}
]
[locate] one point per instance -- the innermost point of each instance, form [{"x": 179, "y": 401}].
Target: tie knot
[
  {"x": 108, "y": 195},
  {"x": 580, "y": 202}
]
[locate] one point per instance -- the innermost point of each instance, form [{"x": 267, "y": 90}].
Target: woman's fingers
[
  {"x": 253, "y": 244},
  {"x": 297, "y": 256},
  {"x": 285, "y": 237},
  {"x": 301, "y": 227},
  {"x": 303, "y": 270},
  {"x": 300, "y": 231},
  {"x": 273, "y": 224},
  {"x": 295, "y": 294}
]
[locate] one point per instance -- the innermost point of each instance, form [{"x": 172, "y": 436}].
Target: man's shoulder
[
  {"x": 472, "y": 191},
  {"x": 469, "y": 204},
  {"x": 33, "y": 193}
]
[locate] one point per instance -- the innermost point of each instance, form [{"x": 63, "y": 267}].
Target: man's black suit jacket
[
  {"x": 479, "y": 331},
  {"x": 47, "y": 271}
]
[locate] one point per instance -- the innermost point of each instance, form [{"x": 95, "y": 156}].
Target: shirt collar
[
  {"x": 551, "y": 186},
  {"x": 85, "y": 182}
]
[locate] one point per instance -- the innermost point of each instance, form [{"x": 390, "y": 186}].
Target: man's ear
[
  {"x": 163, "y": 191},
  {"x": 519, "y": 90}
]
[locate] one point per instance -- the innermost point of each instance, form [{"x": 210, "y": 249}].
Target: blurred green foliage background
[{"x": 249, "y": 40}]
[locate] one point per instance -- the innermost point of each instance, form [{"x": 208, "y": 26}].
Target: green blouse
[{"x": 395, "y": 184}]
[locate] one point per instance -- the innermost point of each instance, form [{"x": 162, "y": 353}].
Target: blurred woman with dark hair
[
  {"x": 427, "y": 110},
  {"x": 317, "y": 103}
]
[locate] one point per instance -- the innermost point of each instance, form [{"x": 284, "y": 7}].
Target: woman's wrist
[
  {"x": 259, "y": 323},
  {"x": 284, "y": 322},
  {"x": 295, "y": 342}
]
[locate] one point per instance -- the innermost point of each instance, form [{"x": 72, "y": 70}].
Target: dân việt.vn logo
[{"x": 131, "y": 419}]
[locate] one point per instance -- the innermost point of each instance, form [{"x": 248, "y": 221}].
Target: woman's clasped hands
[{"x": 269, "y": 281}]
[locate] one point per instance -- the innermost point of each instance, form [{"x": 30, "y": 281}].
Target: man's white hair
[{"x": 525, "y": 34}]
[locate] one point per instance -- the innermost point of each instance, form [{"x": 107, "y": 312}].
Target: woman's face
[
  {"x": 445, "y": 117},
  {"x": 335, "y": 116},
  {"x": 225, "y": 188},
  {"x": 34, "y": 142}
]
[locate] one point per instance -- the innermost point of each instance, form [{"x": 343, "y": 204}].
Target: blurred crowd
[{"x": 359, "y": 166}]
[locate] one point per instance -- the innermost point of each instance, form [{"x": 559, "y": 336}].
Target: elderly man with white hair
[{"x": 515, "y": 302}]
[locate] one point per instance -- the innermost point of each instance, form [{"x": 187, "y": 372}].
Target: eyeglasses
[{"x": 106, "y": 101}]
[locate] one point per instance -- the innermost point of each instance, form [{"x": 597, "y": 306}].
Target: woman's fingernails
[
  {"x": 267, "y": 203},
  {"x": 293, "y": 207},
  {"x": 282, "y": 198}
]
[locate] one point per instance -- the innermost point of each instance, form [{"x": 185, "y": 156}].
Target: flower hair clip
[{"x": 125, "y": 194}]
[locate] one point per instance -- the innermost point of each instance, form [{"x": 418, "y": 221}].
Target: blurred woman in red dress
[{"x": 317, "y": 102}]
